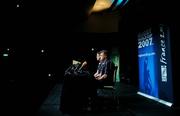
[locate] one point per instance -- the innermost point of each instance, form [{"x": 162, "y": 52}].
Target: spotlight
[
  {"x": 42, "y": 51},
  {"x": 92, "y": 49},
  {"x": 17, "y": 6},
  {"x": 49, "y": 75}
]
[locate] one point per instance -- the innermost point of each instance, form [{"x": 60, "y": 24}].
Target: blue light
[
  {"x": 121, "y": 2},
  {"x": 126, "y": 2}
]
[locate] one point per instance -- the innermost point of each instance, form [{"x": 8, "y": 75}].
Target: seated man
[
  {"x": 104, "y": 74},
  {"x": 99, "y": 64}
]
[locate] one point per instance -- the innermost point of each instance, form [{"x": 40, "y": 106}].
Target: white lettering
[{"x": 163, "y": 52}]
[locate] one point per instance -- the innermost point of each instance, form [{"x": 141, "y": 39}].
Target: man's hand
[
  {"x": 97, "y": 76},
  {"x": 102, "y": 77}
]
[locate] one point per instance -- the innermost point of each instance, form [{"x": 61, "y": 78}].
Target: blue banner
[
  {"x": 154, "y": 57},
  {"x": 147, "y": 55}
]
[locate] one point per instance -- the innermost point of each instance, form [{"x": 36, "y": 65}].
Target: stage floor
[{"x": 130, "y": 104}]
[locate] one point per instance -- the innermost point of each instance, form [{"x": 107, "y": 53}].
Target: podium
[{"x": 77, "y": 88}]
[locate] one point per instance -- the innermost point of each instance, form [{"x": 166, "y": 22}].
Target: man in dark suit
[{"x": 104, "y": 74}]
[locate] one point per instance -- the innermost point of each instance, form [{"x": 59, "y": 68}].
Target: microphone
[{"x": 83, "y": 64}]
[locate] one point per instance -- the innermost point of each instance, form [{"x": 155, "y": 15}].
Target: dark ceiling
[{"x": 37, "y": 18}]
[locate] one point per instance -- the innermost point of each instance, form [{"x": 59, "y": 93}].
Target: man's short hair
[{"x": 104, "y": 51}]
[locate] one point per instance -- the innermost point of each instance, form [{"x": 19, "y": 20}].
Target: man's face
[
  {"x": 97, "y": 57},
  {"x": 102, "y": 56}
]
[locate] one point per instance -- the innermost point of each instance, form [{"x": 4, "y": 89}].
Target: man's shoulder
[
  {"x": 112, "y": 65},
  {"x": 109, "y": 61}
]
